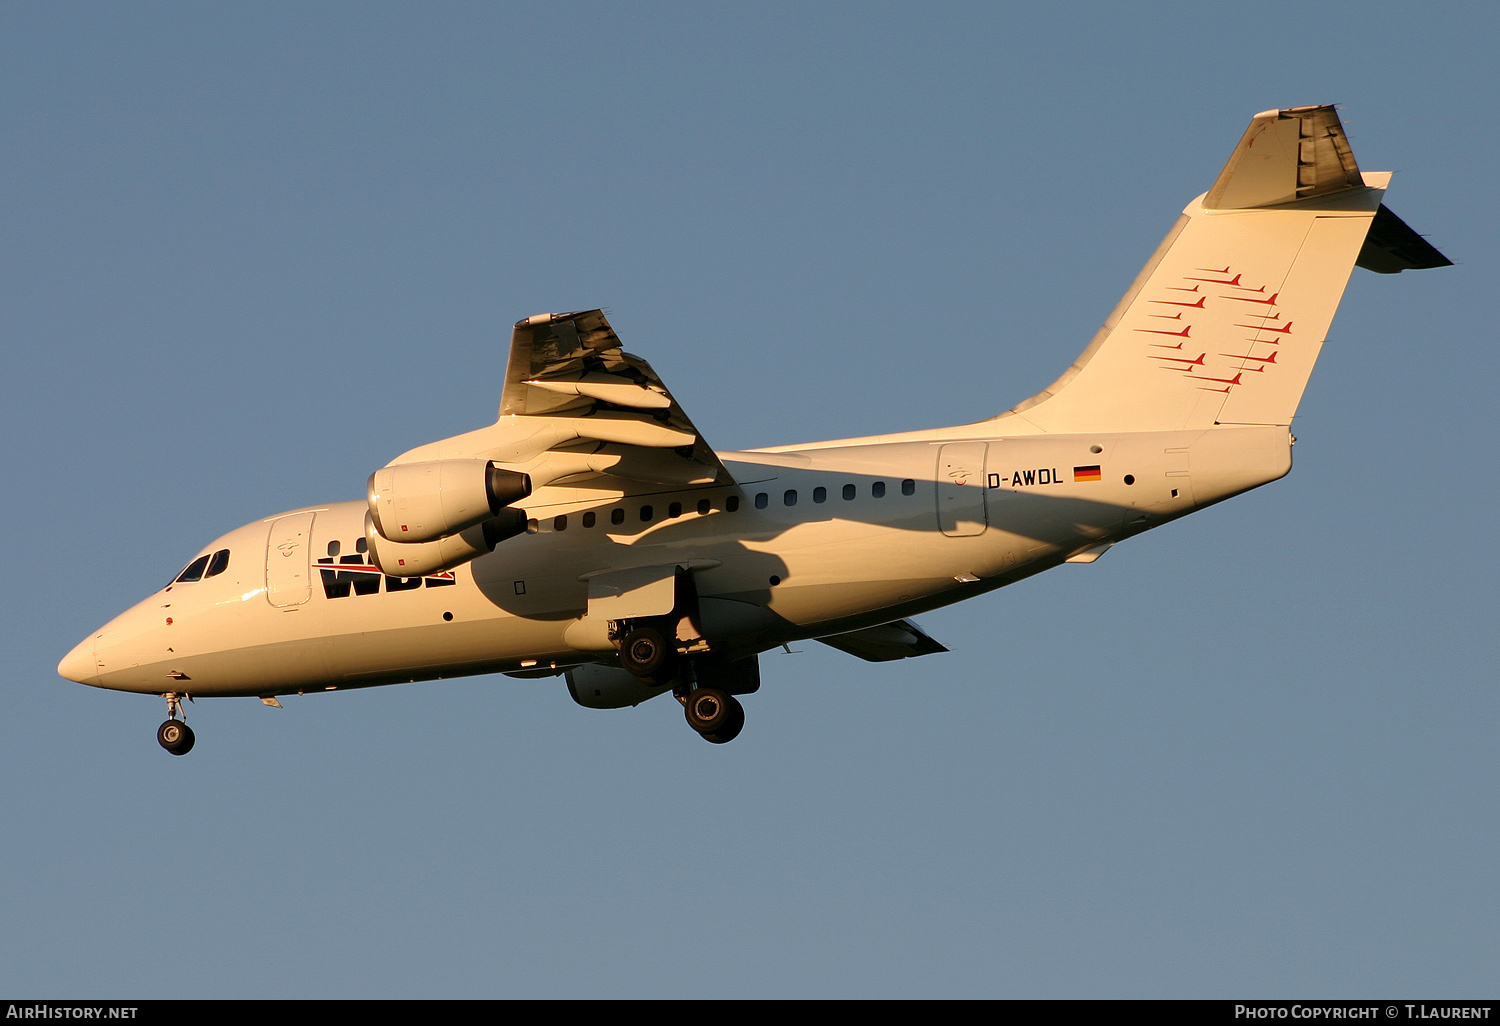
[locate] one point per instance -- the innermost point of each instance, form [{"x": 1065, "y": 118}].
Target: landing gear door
[
  {"x": 960, "y": 489},
  {"x": 631, "y": 594},
  {"x": 288, "y": 578}
]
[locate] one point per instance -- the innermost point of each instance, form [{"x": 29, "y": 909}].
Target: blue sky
[{"x": 251, "y": 252}]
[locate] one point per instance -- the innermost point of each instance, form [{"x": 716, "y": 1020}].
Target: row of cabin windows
[
  {"x": 647, "y": 512},
  {"x": 820, "y": 494},
  {"x": 211, "y": 565}
]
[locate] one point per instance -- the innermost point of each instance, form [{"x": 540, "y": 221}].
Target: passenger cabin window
[
  {"x": 878, "y": 489},
  {"x": 790, "y": 498},
  {"x": 704, "y": 505},
  {"x": 674, "y": 510},
  {"x": 560, "y": 523},
  {"x": 617, "y": 515},
  {"x": 588, "y": 519},
  {"x": 848, "y": 492},
  {"x": 908, "y": 487},
  {"x": 820, "y": 494},
  {"x": 733, "y": 503},
  {"x": 761, "y": 498},
  {"x": 646, "y": 514}
]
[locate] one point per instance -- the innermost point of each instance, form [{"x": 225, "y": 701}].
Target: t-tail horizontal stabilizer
[{"x": 1225, "y": 322}]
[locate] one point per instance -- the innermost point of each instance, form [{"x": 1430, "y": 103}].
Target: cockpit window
[
  {"x": 194, "y": 571},
  {"x": 214, "y": 563}
]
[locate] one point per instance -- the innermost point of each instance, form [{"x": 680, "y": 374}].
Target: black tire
[
  {"x": 647, "y": 654},
  {"x": 711, "y": 711},
  {"x": 176, "y": 737},
  {"x": 732, "y": 726}
]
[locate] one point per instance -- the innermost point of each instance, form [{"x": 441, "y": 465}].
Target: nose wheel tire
[
  {"x": 175, "y": 736},
  {"x": 716, "y": 715},
  {"x": 648, "y": 654}
]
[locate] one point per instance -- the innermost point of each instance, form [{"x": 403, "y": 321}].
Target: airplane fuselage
[{"x": 808, "y": 542}]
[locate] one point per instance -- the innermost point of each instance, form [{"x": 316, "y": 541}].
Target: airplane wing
[
  {"x": 569, "y": 367},
  {"x": 576, "y": 405},
  {"x": 899, "y": 639}
]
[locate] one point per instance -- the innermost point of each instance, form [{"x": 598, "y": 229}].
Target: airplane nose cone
[{"x": 79, "y": 665}]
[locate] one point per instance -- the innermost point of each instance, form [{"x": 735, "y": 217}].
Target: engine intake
[{"x": 420, "y": 502}]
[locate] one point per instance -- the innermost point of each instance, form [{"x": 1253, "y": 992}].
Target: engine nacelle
[
  {"x": 418, "y": 502},
  {"x": 609, "y": 687},
  {"x": 400, "y": 559}
]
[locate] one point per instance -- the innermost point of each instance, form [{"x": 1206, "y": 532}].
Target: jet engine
[
  {"x": 609, "y": 687},
  {"x": 403, "y": 559},
  {"x": 421, "y": 502}
]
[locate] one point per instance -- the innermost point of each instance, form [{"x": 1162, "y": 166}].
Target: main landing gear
[
  {"x": 715, "y": 714},
  {"x": 651, "y": 656},
  {"x": 175, "y": 735}
]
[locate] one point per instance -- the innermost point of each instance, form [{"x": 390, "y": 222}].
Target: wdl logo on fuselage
[{"x": 356, "y": 576}]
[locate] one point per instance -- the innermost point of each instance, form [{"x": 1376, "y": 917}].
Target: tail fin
[{"x": 1224, "y": 323}]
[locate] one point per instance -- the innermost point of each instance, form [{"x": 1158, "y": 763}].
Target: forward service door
[{"x": 288, "y": 578}]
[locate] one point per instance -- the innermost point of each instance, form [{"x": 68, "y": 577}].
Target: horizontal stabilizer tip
[{"x": 1392, "y": 247}]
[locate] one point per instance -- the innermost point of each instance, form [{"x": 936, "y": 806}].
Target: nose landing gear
[{"x": 175, "y": 735}]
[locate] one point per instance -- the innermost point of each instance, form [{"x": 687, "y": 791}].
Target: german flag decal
[{"x": 1085, "y": 474}]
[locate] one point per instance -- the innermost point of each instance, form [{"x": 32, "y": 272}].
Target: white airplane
[{"x": 592, "y": 532}]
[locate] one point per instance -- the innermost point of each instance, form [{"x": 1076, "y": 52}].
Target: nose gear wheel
[{"x": 175, "y": 735}]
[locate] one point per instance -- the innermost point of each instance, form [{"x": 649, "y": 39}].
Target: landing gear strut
[
  {"x": 715, "y": 714},
  {"x": 175, "y": 735}
]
